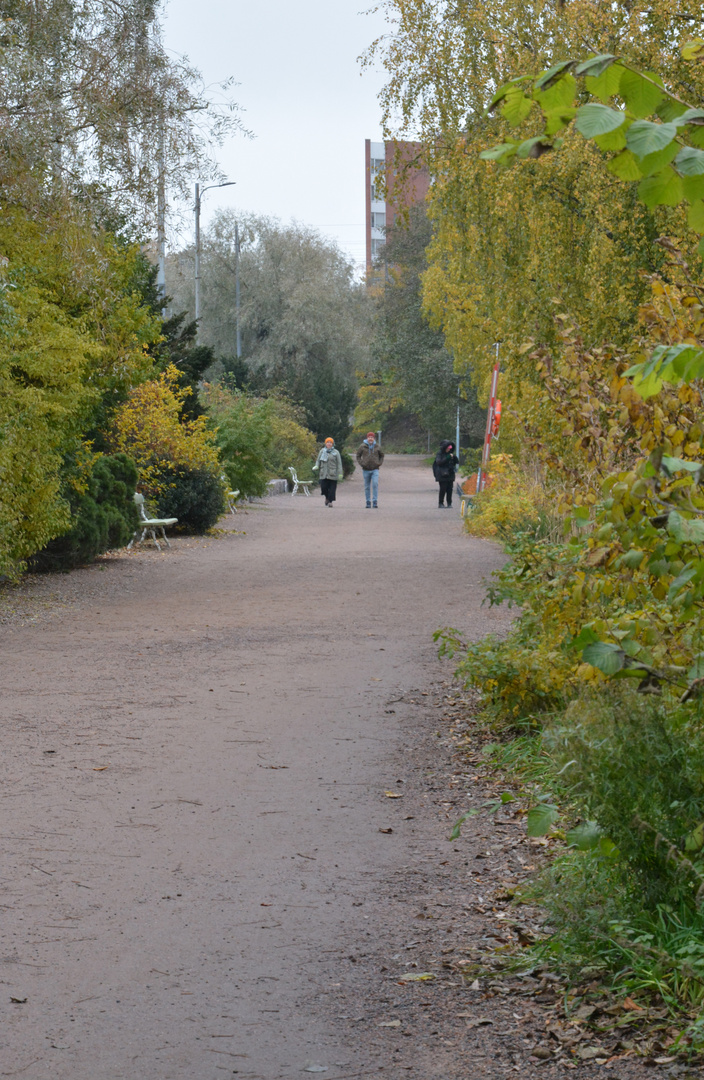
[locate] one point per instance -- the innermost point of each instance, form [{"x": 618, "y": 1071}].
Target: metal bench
[
  {"x": 150, "y": 525},
  {"x": 304, "y": 484}
]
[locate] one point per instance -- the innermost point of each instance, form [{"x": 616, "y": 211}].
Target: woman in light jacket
[{"x": 329, "y": 469}]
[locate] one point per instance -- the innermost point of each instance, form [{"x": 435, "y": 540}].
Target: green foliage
[
  {"x": 194, "y": 496},
  {"x": 103, "y": 514},
  {"x": 410, "y": 368},
  {"x": 259, "y": 438},
  {"x": 637, "y": 768},
  {"x": 242, "y": 426},
  {"x": 304, "y": 321}
]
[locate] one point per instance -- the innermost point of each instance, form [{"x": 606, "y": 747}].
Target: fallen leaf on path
[
  {"x": 423, "y": 976},
  {"x": 586, "y": 1053},
  {"x": 393, "y": 794},
  {"x": 386, "y": 830},
  {"x": 99, "y": 768},
  {"x": 18, "y": 1001},
  {"x": 480, "y": 1022},
  {"x": 390, "y": 1023},
  {"x": 630, "y": 1004},
  {"x": 316, "y": 1068}
]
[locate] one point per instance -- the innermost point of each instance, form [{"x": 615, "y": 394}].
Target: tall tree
[
  {"x": 304, "y": 321},
  {"x": 513, "y": 249},
  {"x": 92, "y": 103},
  {"x": 409, "y": 360}
]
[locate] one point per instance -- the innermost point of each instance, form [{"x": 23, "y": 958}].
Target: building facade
[{"x": 395, "y": 178}]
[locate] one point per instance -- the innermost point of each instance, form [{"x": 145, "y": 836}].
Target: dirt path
[{"x": 196, "y": 750}]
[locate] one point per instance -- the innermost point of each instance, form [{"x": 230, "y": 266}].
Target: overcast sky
[{"x": 304, "y": 98}]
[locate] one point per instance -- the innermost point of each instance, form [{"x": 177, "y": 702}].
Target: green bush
[
  {"x": 636, "y": 763},
  {"x": 244, "y": 435},
  {"x": 194, "y": 496},
  {"x": 103, "y": 515}
]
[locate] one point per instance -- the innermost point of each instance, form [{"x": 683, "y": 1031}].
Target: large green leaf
[
  {"x": 584, "y": 837},
  {"x": 663, "y": 189},
  {"x": 691, "y": 117},
  {"x": 695, "y": 217},
  {"x": 613, "y": 140},
  {"x": 534, "y": 148},
  {"x": 667, "y": 363},
  {"x": 559, "y": 95},
  {"x": 690, "y": 571},
  {"x": 595, "y": 65},
  {"x": 502, "y": 153},
  {"x": 554, "y": 74},
  {"x": 625, "y": 166},
  {"x": 642, "y": 97},
  {"x": 598, "y": 120},
  {"x": 541, "y": 818},
  {"x": 557, "y": 119},
  {"x": 606, "y": 657},
  {"x": 516, "y": 106},
  {"x": 676, "y": 464},
  {"x": 645, "y": 137},
  {"x": 504, "y": 90},
  {"x": 653, "y": 163},
  {"x": 685, "y": 530},
  {"x": 693, "y": 187},
  {"x": 605, "y": 86},
  {"x": 690, "y": 162}
]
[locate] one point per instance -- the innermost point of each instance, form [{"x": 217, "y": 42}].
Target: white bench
[
  {"x": 231, "y": 498},
  {"x": 304, "y": 484},
  {"x": 150, "y": 525}
]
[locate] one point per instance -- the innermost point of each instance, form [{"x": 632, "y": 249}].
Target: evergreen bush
[
  {"x": 103, "y": 515},
  {"x": 194, "y": 496}
]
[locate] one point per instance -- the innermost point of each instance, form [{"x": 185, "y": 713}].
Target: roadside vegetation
[
  {"x": 564, "y": 143},
  {"x": 108, "y": 385}
]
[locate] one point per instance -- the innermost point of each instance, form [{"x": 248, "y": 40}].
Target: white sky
[{"x": 306, "y": 102}]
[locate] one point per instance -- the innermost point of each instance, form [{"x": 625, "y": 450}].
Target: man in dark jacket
[
  {"x": 370, "y": 458},
  {"x": 444, "y": 469}
]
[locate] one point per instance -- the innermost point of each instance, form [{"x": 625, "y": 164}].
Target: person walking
[
  {"x": 370, "y": 458},
  {"x": 444, "y": 469},
  {"x": 329, "y": 469}
]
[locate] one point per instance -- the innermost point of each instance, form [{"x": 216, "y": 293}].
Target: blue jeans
[{"x": 371, "y": 485}]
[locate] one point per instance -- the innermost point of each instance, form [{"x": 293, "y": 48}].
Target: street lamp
[{"x": 199, "y": 196}]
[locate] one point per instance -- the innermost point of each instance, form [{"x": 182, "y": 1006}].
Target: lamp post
[{"x": 199, "y": 195}]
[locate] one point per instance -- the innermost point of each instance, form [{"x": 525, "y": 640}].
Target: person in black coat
[{"x": 444, "y": 469}]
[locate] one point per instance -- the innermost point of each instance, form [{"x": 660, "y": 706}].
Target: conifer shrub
[
  {"x": 103, "y": 515},
  {"x": 194, "y": 496}
]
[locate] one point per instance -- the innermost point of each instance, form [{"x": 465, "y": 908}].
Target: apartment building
[{"x": 395, "y": 177}]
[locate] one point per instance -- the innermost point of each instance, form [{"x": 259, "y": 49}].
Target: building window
[
  {"x": 377, "y": 247},
  {"x": 378, "y": 221}
]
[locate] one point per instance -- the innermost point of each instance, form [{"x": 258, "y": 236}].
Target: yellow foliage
[
  {"x": 515, "y": 501},
  {"x": 148, "y": 428}
]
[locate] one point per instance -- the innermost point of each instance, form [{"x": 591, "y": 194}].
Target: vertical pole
[
  {"x": 486, "y": 450},
  {"x": 379, "y": 437},
  {"x": 237, "y": 290},
  {"x": 457, "y": 431},
  {"x": 197, "y": 259},
  {"x": 161, "y": 220}
]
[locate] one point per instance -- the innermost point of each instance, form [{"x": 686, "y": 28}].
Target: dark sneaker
[{"x": 369, "y": 506}]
